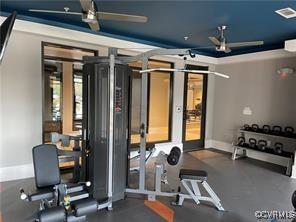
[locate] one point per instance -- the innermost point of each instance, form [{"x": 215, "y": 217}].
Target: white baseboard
[
  {"x": 16, "y": 172},
  {"x": 208, "y": 144},
  {"x": 227, "y": 147}
]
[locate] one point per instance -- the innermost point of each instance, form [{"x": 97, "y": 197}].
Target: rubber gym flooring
[{"x": 244, "y": 186}]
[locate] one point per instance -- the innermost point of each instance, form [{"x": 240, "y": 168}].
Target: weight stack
[{"x": 97, "y": 86}]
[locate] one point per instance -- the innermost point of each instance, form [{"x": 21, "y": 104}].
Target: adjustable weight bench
[
  {"x": 58, "y": 202},
  {"x": 190, "y": 179}
]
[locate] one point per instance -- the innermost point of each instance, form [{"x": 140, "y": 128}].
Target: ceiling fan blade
[
  {"x": 215, "y": 41},
  {"x": 56, "y": 12},
  {"x": 94, "y": 26},
  {"x": 242, "y": 44},
  {"x": 121, "y": 17},
  {"x": 86, "y": 5}
]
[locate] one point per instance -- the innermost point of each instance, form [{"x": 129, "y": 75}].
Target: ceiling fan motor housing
[{"x": 89, "y": 17}]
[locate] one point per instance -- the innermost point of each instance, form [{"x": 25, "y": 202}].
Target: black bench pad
[
  {"x": 193, "y": 174},
  {"x": 84, "y": 206}
]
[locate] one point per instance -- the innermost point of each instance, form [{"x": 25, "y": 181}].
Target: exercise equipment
[
  {"x": 266, "y": 129},
  {"x": 278, "y": 148},
  {"x": 277, "y": 130},
  {"x": 289, "y": 131},
  {"x": 190, "y": 181},
  {"x": 241, "y": 141},
  {"x": 246, "y": 127},
  {"x": 58, "y": 201},
  {"x": 174, "y": 156},
  {"x": 150, "y": 150},
  {"x": 262, "y": 145},
  {"x": 105, "y": 125},
  {"x": 253, "y": 143},
  {"x": 255, "y": 127},
  {"x": 104, "y": 146}
]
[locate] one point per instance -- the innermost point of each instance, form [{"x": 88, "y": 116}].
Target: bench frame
[
  {"x": 191, "y": 193},
  {"x": 193, "y": 190}
]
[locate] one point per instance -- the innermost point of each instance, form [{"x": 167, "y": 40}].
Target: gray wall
[{"x": 258, "y": 86}]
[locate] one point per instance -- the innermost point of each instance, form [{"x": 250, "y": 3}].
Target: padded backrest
[{"x": 46, "y": 165}]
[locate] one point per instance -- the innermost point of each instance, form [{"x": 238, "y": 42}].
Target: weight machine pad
[
  {"x": 84, "y": 207},
  {"x": 41, "y": 194},
  {"x": 193, "y": 174},
  {"x": 54, "y": 214}
]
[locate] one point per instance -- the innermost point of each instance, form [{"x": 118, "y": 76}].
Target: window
[
  {"x": 62, "y": 89},
  {"x": 77, "y": 109},
  {"x": 159, "y": 105},
  {"x": 52, "y": 114}
]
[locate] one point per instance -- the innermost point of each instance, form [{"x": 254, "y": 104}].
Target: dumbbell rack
[{"x": 289, "y": 156}]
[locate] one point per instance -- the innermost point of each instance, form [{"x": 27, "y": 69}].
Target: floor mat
[{"x": 162, "y": 210}]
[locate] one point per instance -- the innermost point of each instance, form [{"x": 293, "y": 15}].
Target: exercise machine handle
[{"x": 86, "y": 183}]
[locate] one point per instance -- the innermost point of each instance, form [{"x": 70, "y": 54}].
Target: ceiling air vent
[{"x": 286, "y": 12}]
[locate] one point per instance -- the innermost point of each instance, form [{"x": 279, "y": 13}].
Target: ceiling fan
[
  {"x": 90, "y": 14},
  {"x": 223, "y": 46}
]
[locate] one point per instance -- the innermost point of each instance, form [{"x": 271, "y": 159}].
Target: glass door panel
[
  {"x": 194, "y": 110},
  {"x": 194, "y": 107}
]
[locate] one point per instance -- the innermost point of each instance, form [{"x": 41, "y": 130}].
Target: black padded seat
[
  {"x": 193, "y": 174},
  {"x": 41, "y": 194},
  {"x": 46, "y": 165},
  {"x": 85, "y": 206}
]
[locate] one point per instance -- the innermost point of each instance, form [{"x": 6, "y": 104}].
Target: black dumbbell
[
  {"x": 255, "y": 127},
  {"x": 246, "y": 127},
  {"x": 277, "y": 130},
  {"x": 266, "y": 129},
  {"x": 174, "y": 156},
  {"x": 289, "y": 131},
  {"x": 262, "y": 144},
  {"x": 241, "y": 141},
  {"x": 253, "y": 143},
  {"x": 278, "y": 147}
]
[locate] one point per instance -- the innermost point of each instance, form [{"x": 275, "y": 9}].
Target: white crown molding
[
  {"x": 256, "y": 56},
  {"x": 290, "y": 45}
]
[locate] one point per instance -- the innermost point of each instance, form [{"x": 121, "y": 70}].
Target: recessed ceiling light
[
  {"x": 286, "y": 12},
  {"x": 186, "y": 38}
]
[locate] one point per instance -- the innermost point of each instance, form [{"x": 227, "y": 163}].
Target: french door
[{"x": 194, "y": 109}]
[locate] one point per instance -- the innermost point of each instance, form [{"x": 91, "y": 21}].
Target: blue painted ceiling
[{"x": 170, "y": 21}]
